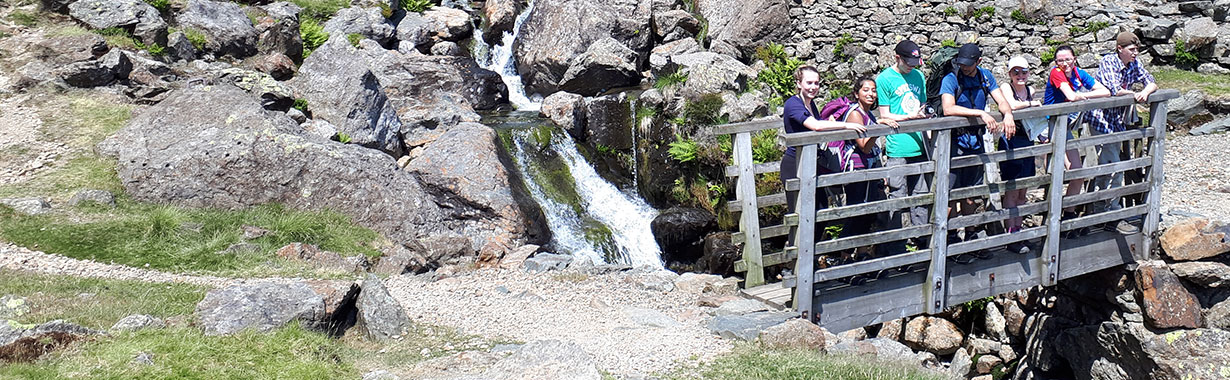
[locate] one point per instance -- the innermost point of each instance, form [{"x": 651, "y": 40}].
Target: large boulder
[
  {"x": 342, "y": 90},
  {"x": 115, "y": 65},
  {"x": 712, "y": 73},
  {"x": 674, "y": 25},
  {"x": 1166, "y": 302},
  {"x": 380, "y": 317},
  {"x": 680, "y": 232},
  {"x": 606, "y": 64},
  {"x": 933, "y": 334},
  {"x": 27, "y": 343},
  {"x": 227, "y": 29},
  {"x": 215, "y": 146},
  {"x": 273, "y": 95},
  {"x": 367, "y": 22},
  {"x": 747, "y": 327},
  {"x": 1199, "y": 32},
  {"x": 464, "y": 168},
  {"x": 566, "y": 110},
  {"x": 1209, "y": 274},
  {"x": 660, "y": 62},
  {"x": 793, "y": 334},
  {"x": 1195, "y": 239},
  {"x": 746, "y": 25},
  {"x": 1122, "y": 351},
  {"x": 136, "y": 16},
  {"x": 415, "y": 30},
  {"x": 278, "y": 30},
  {"x": 556, "y": 32},
  {"x": 449, "y": 24},
  {"x": 608, "y": 122},
  {"x": 501, "y": 17},
  {"x": 261, "y": 306}
]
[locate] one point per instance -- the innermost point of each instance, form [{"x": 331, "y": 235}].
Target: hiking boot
[
  {"x": 1019, "y": 248},
  {"x": 1126, "y": 228},
  {"x": 964, "y": 258}
]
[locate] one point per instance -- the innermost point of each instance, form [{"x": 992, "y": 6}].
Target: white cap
[{"x": 1018, "y": 61}]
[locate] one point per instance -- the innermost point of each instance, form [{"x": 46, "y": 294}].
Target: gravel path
[
  {"x": 13, "y": 257},
  {"x": 597, "y": 313},
  {"x": 1197, "y": 178}
]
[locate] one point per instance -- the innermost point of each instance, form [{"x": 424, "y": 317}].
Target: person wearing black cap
[
  {"x": 964, "y": 92},
  {"x": 902, "y": 93},
  {"x": 1118, "y": 71}
]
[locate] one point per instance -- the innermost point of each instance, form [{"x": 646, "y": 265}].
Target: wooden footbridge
[{"x": 925, "y": 279}]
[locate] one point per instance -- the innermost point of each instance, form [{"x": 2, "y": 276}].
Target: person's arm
[
  {"x": 1006, "y": 88},
  {"x": 1005, "y": 109},
  {"x": 865, "y": 144},
  {"x": 948, "y": 101},
  {"x": 831, "y": 125},
  {"x": 1098, "y": 90}
]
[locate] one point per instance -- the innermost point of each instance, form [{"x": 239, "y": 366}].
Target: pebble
[{"x": 1196, "y": 167}]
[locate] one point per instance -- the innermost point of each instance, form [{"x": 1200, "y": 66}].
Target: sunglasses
[{"x": 1018, "y": 72}]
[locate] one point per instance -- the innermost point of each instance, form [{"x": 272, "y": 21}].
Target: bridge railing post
[
  {"x": 935, "y": 285},
  {"x": 1050, "y": 253},
  {"x": 1157, "y": 121},
  {"x": 805, "y": 238},
  {"x": 749, "y": 222}
]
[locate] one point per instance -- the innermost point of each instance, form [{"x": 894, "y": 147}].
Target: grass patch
[
  {"x": 749, "y": 362},
  {"x": 81, "y": 122},
  {"x": 289, "y": 352},
  {"x": 670, "y": 80},
  {"x": 187, "y": 240},
  {"x": 354, "y": 39},
  {"x": 313, "y": 34},
  {"x": 984, "y": 11},
  {"x": 320, "y": 10},
  {"x": 196, "y": 37},
  {"x": 64, "y": 297},
  {"x": 1183, "y": 80},
  {"x": 161, "y": 5},
  {"x": 950, "y": 11},
  {"x": 25, "y": 19},
  {"x": 1182, "y": 56},
  {"x": 416, "y": 6},
  {"x": 1093, "y": 27}
]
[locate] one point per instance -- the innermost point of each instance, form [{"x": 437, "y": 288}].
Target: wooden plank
[
  {"x": 1157, "y": 176},
  {"x": 773, "y": 294},
  {"x": 1105, "y": 217},
  {"x": 767, "y": 167},
  {"x": 1000, "y": 156},
  {"x": 846, "y": 307},
  {"x": 1107, "y": 169},
  {"x": 872, "y": 174},
  {"x": 761, "y": 201},
  {"x": 872, "y": 238},
  {"x": 873, "y": 207},
  {"x": 993, "y": 188},
  {"x": 1085, "y": 198},
  {"x": 749, "y": 222},
  {"x": 994, "y": 242},
  {"x": 996, "y": 215},
  {"x": 772, "y": 259},
  {"x": 872, "y": 266},
  {"x": 805, "y": 207},
  {"x": 749, "y": 126},
  {"x": 941, "y": 123},
  {"x": 1093, "y": 141},
  {"x": 935, "y": 285},
  {"x": 765, "y": 232},
  {"x": 1050, "y": 251}
]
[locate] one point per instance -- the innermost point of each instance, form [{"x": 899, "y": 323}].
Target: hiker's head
[
  {"x": 1128, "y": 47},
  {"x": 807, "y": 81},
  {"x": 967, "y": 59},
  {"x": 1018, "y": 71},
  {"x": 1065, "y": 58},
  {"x": 865, "y": 91},
  {"x": 907, "y": 54}
]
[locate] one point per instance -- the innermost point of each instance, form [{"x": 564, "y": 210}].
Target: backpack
[
  {"x": 836, "y": 156},
  {"x": 940, "y": 65}
]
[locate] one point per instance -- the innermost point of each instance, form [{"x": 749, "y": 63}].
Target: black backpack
[{"x": 938, "y": 66}]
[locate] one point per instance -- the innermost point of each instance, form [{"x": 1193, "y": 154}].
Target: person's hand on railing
[
  {"x": 856, "y": 127},
  {"x": 992, "y": 125},
  {"x": 890, "y": 122},
  {"x": 1009, "y": 126}
]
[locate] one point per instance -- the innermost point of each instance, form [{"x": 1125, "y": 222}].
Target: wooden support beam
[
  {"x": 749, "y": 223},
  {"x": 805, "y": 207},
  {"x": 936, "y": 283},
  {"x": 1050, "y": 252},
  {"x": 1157, "y": 176}
]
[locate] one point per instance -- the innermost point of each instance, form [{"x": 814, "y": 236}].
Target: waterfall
[
  {"x": 499, "y": 59},
  {"x": 606, "y": 224}
]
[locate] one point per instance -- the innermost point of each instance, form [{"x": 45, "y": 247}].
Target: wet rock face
[
  {"x": 680, "y": 232},
  {"x": 558, "y": 31},
  {"x": 1166, "y": 303}
]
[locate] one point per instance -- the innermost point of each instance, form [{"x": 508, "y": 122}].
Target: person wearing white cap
[{"x": 1027, "y": 131}]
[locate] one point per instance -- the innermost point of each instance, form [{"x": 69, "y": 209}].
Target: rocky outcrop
[
  {"x": 342, "y": 90},
  {"x": 367, "y": 22},
  {"x": 680, "y": 233},
  {"x": 135, "y": 16},
  {"x": 711, "y": 73},
  {"x": 226, "y": 27},
  {"x": 1195, "y": 239},
  {"x": 674, "y": 25},
  {"x": 27, "y": 343},
  {"x": 1132, "y": 351},
  {"x": 746, "y": 25},
  {"x": 261, "y": 306},
  {"x": 501, "y": 17},
  {"x": 278, "y": 30},
  {"x": 380, "y": 316},
  {"x": 557, "y": 32},
  {"x": 606, "y": 64},
  {"x": 1166, "y": 303}
]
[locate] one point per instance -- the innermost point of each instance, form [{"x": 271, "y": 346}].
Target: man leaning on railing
[{"x": 1118, "y": 71}]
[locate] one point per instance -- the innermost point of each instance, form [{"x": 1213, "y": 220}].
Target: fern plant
[
  {"x": 778, "y": 73},
  {"x": 683, "y": 150},
  {"x": 416, "y": 6}
]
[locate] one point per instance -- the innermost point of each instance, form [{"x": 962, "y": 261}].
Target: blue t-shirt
[
  {"x": 1080, "y": 81},
  {"x": 973, "y": 96},
  {"x": 794, "y": 113}
]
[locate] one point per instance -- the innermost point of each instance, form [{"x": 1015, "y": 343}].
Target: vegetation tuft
[
  {"x": 1093, "y": 27},
  {"x": 22, "y": 18},
  {"x": 984, "y": 11},
  {"x": 1022, "y": 18},
  {"x": 683, "y": 150},
  {"x": 950, "y": 11},
  {"x": 320, "y": 10},
  {"x": 704, "y": 111},
  {"x": 839, "y": 49},
  {"x": 354, "y": 39},
  {"x": 778, "y": 73},
  {"x": 161, "y": 5},
  {"x": 196, "y": 37},
  {"x": 1182, "y": 56},
  {"x": 1183, "y": 80},
  {"x": 313, "y": 35},
  {"x": 671, "y": 79},
  {"x": 96, "y": 303},
  {"x": 417, "y": 6}
]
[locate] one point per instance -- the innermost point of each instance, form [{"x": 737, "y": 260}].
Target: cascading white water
[
  {"x": 500, "y": 60},
  {"x": 626, "y": 216}
]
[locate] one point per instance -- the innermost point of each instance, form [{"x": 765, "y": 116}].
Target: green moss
[
  {"x": 313, "y": 35},
  {"x": 196, "y": 37},
  {"x": 354, "y": 39}
]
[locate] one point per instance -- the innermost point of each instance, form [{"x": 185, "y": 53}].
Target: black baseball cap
[
  {"x": 968, "y": 55},
  {"x": 908, "y": 51}
]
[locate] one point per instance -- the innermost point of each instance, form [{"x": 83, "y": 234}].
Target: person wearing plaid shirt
[{"x": 1118, "y": 71}]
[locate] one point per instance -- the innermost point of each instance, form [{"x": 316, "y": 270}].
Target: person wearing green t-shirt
[{"x": 902, "y": 91}]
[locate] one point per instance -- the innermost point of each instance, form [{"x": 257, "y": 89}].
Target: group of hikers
[{"x": 900, "y": 93}]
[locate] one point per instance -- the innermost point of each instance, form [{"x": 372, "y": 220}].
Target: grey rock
[
  {"x": 320, "y": 129},
  {"x": 138, "y": 322},
  {"x": 516, "y": 258},
  {"x": 546, "y": 360},
  {"x": 135, "y": 15},
  {"x": 110, "y": 67},
  {"x": 933, "y": 334},
  {"x": 380, "y": 316},
  {"x": 883, "y": 349},
  {"x": 27, "y": 206},
  {"x": 1212, "y": 68},
  {"x": 316, "y": 258},
  {"x": 1210, "y": 274},
  {"x": 994, "y": 321},
  {"x": 273, "y": 95},
  {"x": 650, "y": 318},
  {"x": 348, "y": 95},
  {"x": 143, "y": 358},
  {"x": 12, "y": 307},
  {"x": 740, "y": 307},
  {"x": 712, "y": 73},
  {"x": 675, "y": 25},
  {"x": 226, "y": 27},
  {"x": 608, "y": 122},
  {"x": 447, "y": 48},
  {"x": 1215, "y": 126},
  {"x": 380, "y": 374},
  {"x": 795, "y": 334},
  {"x": 449, "y": 24},
  {"x": 63, "y": 50},
  {"x": 278, "y": 31},
  {"x": 100, "y": 197},
  {"x": 180, "y": 48},
  {"x": 297, "y": 115},
  {"x": 747, "y": 326},
  {"x": 657, "y": 280},
  {"x": 367, "y": 22},
  {"x": 746, "y": 25},
  {"x": 606, "y": 64},
  {"x": 501, "y": 16},
  {"x": 415, "y": 29},
  {"x": 20, "y": 343},
  {"x": 544, "y": 262},
  {"x": 961, "y": 364},
  {"x": 1182, "y": 109},
  {"x": 567, "y": 110},
  {"x": 277, "y": 65},
  {"x": 57, "y": 6},
  {"x": 1199, "y": 32},
  {"x": 1157, "y": 28},
  {"x": 261, "y": 306},
  {"x": 660, "y": 58},
  {"x": 397, "y": 261},
  {"x": 1218, "y": 316},
  {"x": 742, "y": 107},
  {"x": 556, "y": 32},
  {"x": 1131, "y": 351}
]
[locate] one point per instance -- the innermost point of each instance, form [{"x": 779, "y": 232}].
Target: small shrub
[
  {"x": 764, "y": 147},
  {"x": 1022, "y": 18},
  {"x": 704, "y": 111},
  {"x": 670, "y": 80},
  {"x": 156, "y": 50},
  {"x": 1048, "y": 56},
  {"x": 683, "y": 150},
  {"x": 385, "y": 10},
  {"x": 1182, "y": 56},
  {"x": 778, "y": 73},
  {"x": 644, "y": 112},
  {"x": 950, "y": 11},
  {"x": 23, "y": 18},
  {"x": 301, "y": 104},
  {"x": 320, "y": 10},
  {"x": 416, "y": 6},
  {"x": 839, "y": 49},
  {"x": 196, "y": 37},
  {"x": 948, "y": 43},
  {"x": 1093, "y": 27},
  {"x": 354, "y": 39},
  {"x": 160, "y": 5},
  {"x": 313, "y": 35},
  {"x": 984, "y": 11},
  {"x": 343, "y": 138}
]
